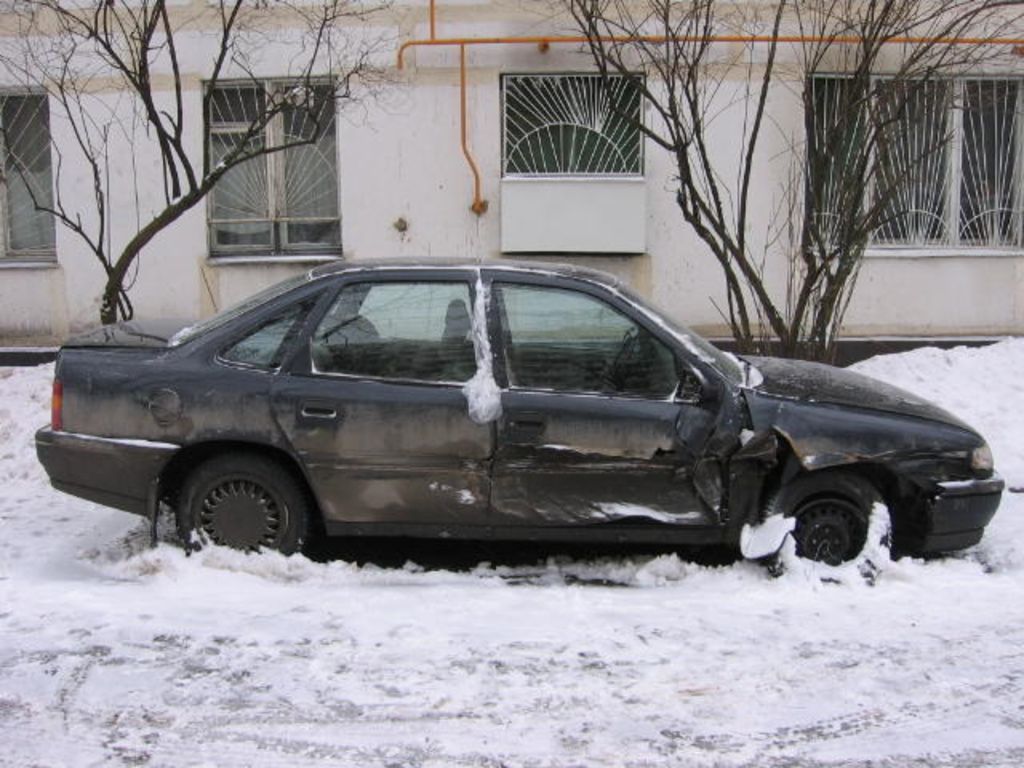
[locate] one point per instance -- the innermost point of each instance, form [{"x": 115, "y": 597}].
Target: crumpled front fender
[{"x": 823, "y": 435}]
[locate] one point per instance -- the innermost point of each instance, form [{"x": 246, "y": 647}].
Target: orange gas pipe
[
  {"x": 544, "y": 41},
  {"x": 479, "y": 206}
]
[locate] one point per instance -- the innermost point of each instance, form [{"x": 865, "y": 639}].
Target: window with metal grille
[
  {"x": 27, "y": 182},
  {"x": 283, "y": 201},
  {"x": 571, "y": 125},
  {"x": 947, "y": 160}
]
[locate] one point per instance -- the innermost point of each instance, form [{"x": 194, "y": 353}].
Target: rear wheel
[
  {"x": 246, "y": 502},
  {"x": 831, "y": 511}
]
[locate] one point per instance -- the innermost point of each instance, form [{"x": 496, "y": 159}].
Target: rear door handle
[{"x": 318, "y": 411}]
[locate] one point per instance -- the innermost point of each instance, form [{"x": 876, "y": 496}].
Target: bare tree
[
  {"x": 876, "y": 132},
  {"x": 119, "y": 73},
  {"x": 846, "y": 185}
]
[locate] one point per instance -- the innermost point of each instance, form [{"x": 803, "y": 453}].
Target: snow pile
[
  {"x": 482, "y": 393},
  {"x": 865, "y": 568},
  {"x": 112, "y": 653},
  {"x": 24, "y": 407},
  {"x": 984, "y": 386},
  {"x": 773, "y": 537}
]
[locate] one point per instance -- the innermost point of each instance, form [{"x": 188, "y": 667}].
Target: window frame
[
  {"x": 428, "y": 276},
  {"x": 275, "y": 166},
  {"x": 504, "y": 80},
  {"x": 9, "y": 257},
  {"x": 498, "y": 318},
  {"x": 953, "y": 243}
]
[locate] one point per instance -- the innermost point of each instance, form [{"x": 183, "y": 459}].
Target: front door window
[{"x": 567, "y": 341}]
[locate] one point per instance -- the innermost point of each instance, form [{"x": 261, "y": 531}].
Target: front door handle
[{"x": 525, "y": 430}]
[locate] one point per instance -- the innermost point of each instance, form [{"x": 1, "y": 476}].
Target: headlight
[{"x": 981, "y": 459}]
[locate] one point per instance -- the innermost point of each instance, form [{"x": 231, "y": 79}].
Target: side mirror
[{"x": 690, "y": 389}]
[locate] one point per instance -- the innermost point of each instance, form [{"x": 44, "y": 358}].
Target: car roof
[{"x": 515, "y": 267}]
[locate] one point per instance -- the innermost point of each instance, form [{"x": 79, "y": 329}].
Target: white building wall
[{"x": 405, "y": 192}]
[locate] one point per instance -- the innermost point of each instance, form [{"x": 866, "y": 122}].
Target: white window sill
[
  {"x": 547, "y": 178},
  {"x": 40, "y": 263},
  {"x": 952, "y": 252}
]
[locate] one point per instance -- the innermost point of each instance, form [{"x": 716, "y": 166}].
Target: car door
[
  {"x": 375, "y": 409},
  {"x": 594, "y": 428}
]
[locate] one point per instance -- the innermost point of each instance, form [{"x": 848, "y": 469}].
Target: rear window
[
  {"x": 247, "y": 305},
  {"x": 263, "y": 347}
]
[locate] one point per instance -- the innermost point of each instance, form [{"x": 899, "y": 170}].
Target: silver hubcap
[{"x": 242, "y": 514}]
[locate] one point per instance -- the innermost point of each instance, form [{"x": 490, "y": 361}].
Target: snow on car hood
[{"x": 815, "y": 382}]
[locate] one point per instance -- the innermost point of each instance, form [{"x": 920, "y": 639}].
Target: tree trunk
[{"x": 115, "y": 277}]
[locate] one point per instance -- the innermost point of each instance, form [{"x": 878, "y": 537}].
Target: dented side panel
[
  {"x": 378, "y": 452},
  {"x": 566, "y": 459}
]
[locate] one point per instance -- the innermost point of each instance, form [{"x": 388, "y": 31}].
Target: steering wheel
[{"x": 627, "y": 350}]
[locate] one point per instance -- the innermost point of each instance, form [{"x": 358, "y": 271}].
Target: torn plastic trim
[
  {"x": 154, "y": 445},
  {"x": 749, "y": 466},
  {"x": 609, "y": 511},
  {"x": 976, "y": 487},
  {"x": 766, "y": 538}
]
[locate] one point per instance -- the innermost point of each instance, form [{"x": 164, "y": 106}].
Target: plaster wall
[{"x": 406, "y": 190}]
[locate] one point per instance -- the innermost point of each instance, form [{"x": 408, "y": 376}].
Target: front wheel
[
  {"x": 831, "y": 510},
  {"x": 830, "y": 531},
  {"x": 246, "y": 502}
]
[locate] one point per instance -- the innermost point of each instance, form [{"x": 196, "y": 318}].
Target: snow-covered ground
[{"x": 112, "y": 653}]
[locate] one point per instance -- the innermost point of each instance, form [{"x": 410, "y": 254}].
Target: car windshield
[
  {"x": 267, "y": 294},
  {"x": 727, "y": 364}
]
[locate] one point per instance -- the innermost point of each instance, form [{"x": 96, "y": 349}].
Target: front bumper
[
  {"x": 957, "y": 516},
  {"x": 110, "y": 471}
]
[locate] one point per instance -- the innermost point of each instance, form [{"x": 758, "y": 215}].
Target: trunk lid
[{"x": 133, "y": 333}]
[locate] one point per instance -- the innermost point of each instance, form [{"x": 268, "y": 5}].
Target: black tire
[
  {"x": 246, "y": 502},
  {"x": 831, "y": 510}
]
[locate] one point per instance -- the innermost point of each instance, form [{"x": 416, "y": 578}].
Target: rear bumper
[
  {"x": 957, "y": 516},
  {"x": 116, "y": 473}
]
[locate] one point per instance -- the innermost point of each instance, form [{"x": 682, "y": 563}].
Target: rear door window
[{"x": 412, "y": 331}]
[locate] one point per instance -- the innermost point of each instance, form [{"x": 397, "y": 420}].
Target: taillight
[{"x": 57, "y": 406}]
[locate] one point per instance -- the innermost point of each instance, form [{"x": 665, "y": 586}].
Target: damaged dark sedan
[{"x": 496, "y": 402}]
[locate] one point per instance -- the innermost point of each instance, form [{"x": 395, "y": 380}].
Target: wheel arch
[
  {"x": 174, "y": 474},
  {"x": 790, "y": 467}
]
